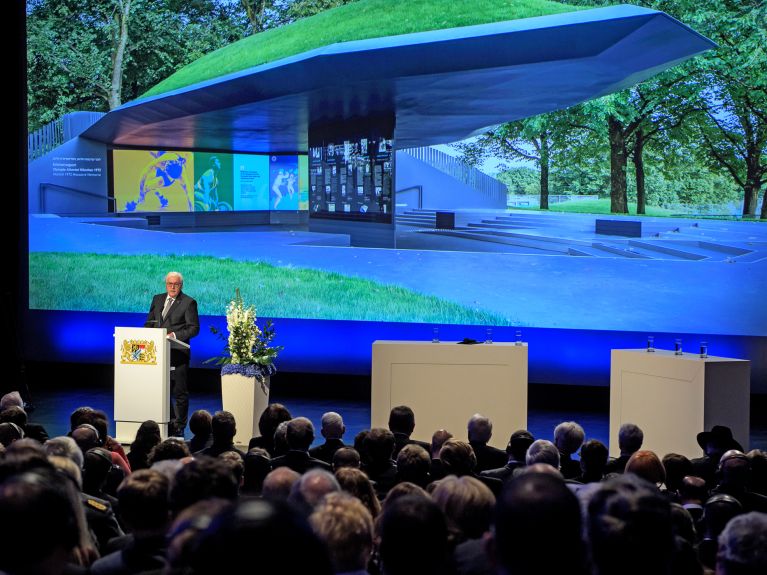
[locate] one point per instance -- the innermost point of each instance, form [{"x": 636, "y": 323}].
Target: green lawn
[
  {"x": 356, "y": 21},
  {"x": 95, "y": 282},
  {"x": 601, "y": 206}
]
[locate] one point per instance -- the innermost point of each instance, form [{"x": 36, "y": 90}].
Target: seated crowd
[{"x": 382, "y": 504}]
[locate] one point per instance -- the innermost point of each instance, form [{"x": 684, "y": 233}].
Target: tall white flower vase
[{"x": 245, "y": 398}]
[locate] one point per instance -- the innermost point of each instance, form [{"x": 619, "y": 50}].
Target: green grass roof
[{"x": 356, "y": 21}]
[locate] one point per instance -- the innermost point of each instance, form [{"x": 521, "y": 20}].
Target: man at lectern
[{"x": 176, "y": 312}]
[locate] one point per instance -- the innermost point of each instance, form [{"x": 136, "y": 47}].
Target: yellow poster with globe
[{"x": 153, "y": 181}]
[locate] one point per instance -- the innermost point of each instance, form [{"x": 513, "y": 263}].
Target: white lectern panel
[
  {"x": 446, "y": 383},
  {"x": 674, "y": 397},
  {"x": 142, "y": 379}
]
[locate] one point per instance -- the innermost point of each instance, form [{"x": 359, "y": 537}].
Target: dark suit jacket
[
  {"x": 327, "y": 450},
  {"x": 181, "y": 319},
  {"x": 299, "y": 461},
  {"x": 488, "y": 457},
  {"x": 503, "y": 473}
]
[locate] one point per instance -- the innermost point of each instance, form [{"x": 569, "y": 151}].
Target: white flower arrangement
[{"x": 247, "y": 349}]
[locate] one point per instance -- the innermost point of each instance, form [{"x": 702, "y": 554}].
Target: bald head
[{"x": 278, "y": 483}]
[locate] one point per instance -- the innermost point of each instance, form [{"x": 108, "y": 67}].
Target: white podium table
[
  {"x": 675, "y": 397},
  {"x": 446, "y": 383}
]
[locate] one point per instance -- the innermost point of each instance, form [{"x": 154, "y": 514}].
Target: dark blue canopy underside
[{"x": 438, "y": 86}]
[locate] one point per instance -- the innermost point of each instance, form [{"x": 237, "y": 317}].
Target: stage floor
[{"x": 53, "y": 407}]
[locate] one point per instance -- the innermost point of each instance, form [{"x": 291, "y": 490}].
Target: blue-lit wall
[{"x": 577, "y": 357}]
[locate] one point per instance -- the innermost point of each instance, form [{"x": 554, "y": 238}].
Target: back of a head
[
  {"x": 14, "y": 414},
  {"x": 402, "y": 420},
  {"x": 438, "y": 439},
  {"x": 66, "y": 447},
  {"x": 758, "y": 477},
  {"x": 743, "y": 546},
  {"x": 594, "y": 455},
  {"x": 568, "y": 437},
  {"x": 734, "y": 467},
  {"x": 630, "y": 438},
  {"x": 275, "y": 536},
  {"x": 379, "y": 445},
  {"x": 646, "y": 465},
  {"x": 346, "y": 457},
  {"x": 223, "y": 427},
  {"x": 10, "y": 432},
  {"x": 345, "y": 525},
  {"x": 467, "y": 504},
  {"x": 271, "y": 417},
  {"x": 202, "y": 478},
  {"x": 356, "y": 482},
  {"x": 300, "y": 434},
  {"x": 256, "y": 466},
  {"x": 201, "y": 423},
  {"x": 332, "y": 425},
  {"x": 519, "y": 442},
  {"x": 542, "y": 451},
  {"x": 693, "y": 489},
  {"x": 11, "y": 399},
  {"x": 278, "y": 484},
  {"x": 147, "y": 436},
  {"x": 677, "y": 468},
  {"x": 630, "y": 528},
  {"x": 413, "y": 464},
  {"x": 413, "y": 537},
  {"x": 86, "y": 436},
  {"x": 43, "y": 528},
  {"x": 79, "y": 416},
  {"x": 479, "y": 429},
  {"x": 718, "y": 510},
  {"x": 96, "y": 467},
  {"x": 536, "y": 514},
  {"x": 170, "y": 448},
  {"x": 144, "y": 500},
  {"x": 309, "y": 490},
  {"x": 457, "y": 458}
]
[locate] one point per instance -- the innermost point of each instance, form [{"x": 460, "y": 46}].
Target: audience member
[
  {"x": 299, "y": 436},
  {"x": 202, "y": 478},
  {"x": 256, "y": 466},
  {"x": 677, "y": 468},
  {"x": 413, "y": 465},
  {"x": 346, "y": 457},
  {"x": 717, "y": 513},
  {"x": 145, "y": 509},
  {"x": 402, "y": 424},
  {"x": 355, "y": 482},
  {"x": 270, "y": 419},
  {"x": 467, "y": 504},
  {"x": 743, "y": 546},
  {"x": 568, "y": 438},
  {"x": 480, "y": 431},
  {"x": 234, "y": 461},
  {"x": 201, "y": 426},
  {"x": 734, "y": 469},
  {"x": 458, "y": 459},
  {"x": 630, "y": 439},
  {"x": 147, "y": 436},
  {"x": 537, "y": 527},
  {"x": 758, "y": 478},
  {"x": 309, "y": 490},
  {"x": 273, "y": 536},
  {"x": 10, "y": 432},
  {"x": 171, "y": 448},
  {"x": 629, "y": 527},
  {"x": 714, "y": 443},
  {"x": 187, "y": 528},
  {"x": 66, "y": 447},
  {"x": 280, "y": 440},
  {"x": 32, "y": 430},
  {"x": 345, "y": 525},
  {"x": 413, "y": 537},
  {"x": 278, "y": 484},
  {"x": 692, "y": 496},
  {"x": 516, "y": 449},
  {"x": 593, "y": 461},
  {"x": 223, "y": 429},
  {"x": 438, "y": 439},
  {"x": 380, "y": 468},
  {"x": 359, "y": 445},
  {"x": 542, "y": 451},
  {"x": 332, "y": 430},
  {"x": 646, "y": 465}
]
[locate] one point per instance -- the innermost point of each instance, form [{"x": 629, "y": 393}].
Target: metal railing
[
  {"x": 455, "y": 168},
  {"x": 58, "y": 132}
]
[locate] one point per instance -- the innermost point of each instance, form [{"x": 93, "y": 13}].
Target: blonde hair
[{"x": 345, "y": 525}]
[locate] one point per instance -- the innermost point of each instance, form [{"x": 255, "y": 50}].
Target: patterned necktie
[{"x": 168, "y": 303}]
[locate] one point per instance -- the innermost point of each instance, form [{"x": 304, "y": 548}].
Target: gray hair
[
  {"x": 10, "y": 400},
  {"x": 332, "y": 424},
  {"x": 630, "y": 438},
  {"x": 542, "y": 451},
  {"x": 743, "y": 544},
  {"x": 177, "y": 274},
  {"x": 64, "y": 446},
  {"x": 568, "y": 437},
  {"x": 480, "y": 428}
]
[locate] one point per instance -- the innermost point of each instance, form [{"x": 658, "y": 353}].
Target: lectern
[
  {"x": 142, "y": 379},
  {"x": 675, "y": 397},
  {"x": 446, "y": 384}
]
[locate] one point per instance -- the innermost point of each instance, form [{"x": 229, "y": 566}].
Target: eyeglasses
[{"x": 173, "y": 284}]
